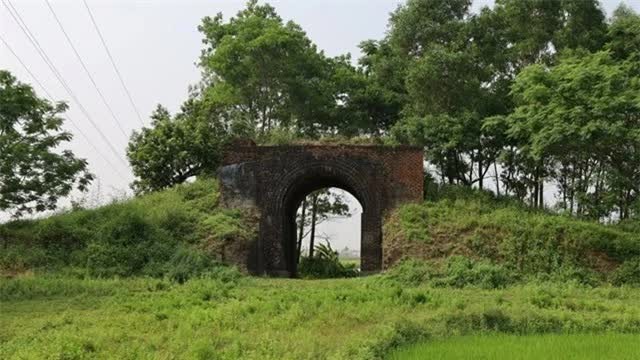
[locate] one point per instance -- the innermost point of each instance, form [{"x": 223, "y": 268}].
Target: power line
[
  {"x": 26, "y": 68},
  {"x": 86, "y": 70},
  {"x": 113, "y": 63},
  {"x": 48, "y": 95},
  {"x": 34, "y": 41}
]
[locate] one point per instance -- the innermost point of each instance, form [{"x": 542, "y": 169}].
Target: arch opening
[
  {"x": 328, "y": 234},
  {"x": 336, "y": 191}
]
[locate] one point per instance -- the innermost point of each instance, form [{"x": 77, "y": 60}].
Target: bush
[
  {"x": 319, "y": 268},
  {"x": 325, "y": 264},
  {"x": 628, "y": 273},
  {"x": 410, "y": 272},
  {"x": 571, "y": 274},
  {"x": 20, "y": 258},
  {"x": 126, "y": 243},
  {"x": 461, "y": 271},
  {"x": 187, "y": 263},
  {"x": 457, "y": 271}
]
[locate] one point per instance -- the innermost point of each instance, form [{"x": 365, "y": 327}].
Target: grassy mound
[
  {"x": 179, "y": 233},
  {"x": 498, "y": 237}
]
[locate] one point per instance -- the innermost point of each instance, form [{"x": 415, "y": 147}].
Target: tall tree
[
  {"x": 624, "y": 34},
  {"x": 458, "y": 67},
  {"x": 34, "y": 171},
  {"x": 579, "y": 122},
  {"x": 449, "y": 88},
  {"x": 176, "y": 148},
  {"x": 266, "y": 71}
]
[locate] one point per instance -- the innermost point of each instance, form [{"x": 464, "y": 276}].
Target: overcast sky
[{"x": 155, "y": 45}]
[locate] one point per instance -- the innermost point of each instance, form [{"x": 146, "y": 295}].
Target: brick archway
[{"x": 274, "y": 180}]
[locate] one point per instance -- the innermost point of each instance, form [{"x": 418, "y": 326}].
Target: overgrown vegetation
[
  {"x": 177, "y": 233},
  {"x": 325, "y": 264},
  {"x": 502, "y": 241}
]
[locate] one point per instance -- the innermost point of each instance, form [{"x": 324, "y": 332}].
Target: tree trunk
[
  {"x": 572, "y": 193},
  {"x": 541, "y": 194},
  {"x": 480, "y": 174},
  {"x": 536, "y": 188},
  {"x": 314, "y": 212},
  {"x": 301, "y": 231},
  {"x": 495, "y": 170}
]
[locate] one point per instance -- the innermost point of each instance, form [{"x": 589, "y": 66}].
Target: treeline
[{"x": 527, "y": 95}]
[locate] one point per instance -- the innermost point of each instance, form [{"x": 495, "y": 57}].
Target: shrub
[
  {"x": 457, "y": 271},
  {"x": 628, "y": 273},
  {"x": 410, "y": 272},
  {"x": 320, "y": 268},
  {"x": 325, "y": 264},
  {"x": 187, "y": 263},
  {"x": 461, "y": 271},
  {"x": 21, "y": 257},
  {"x": 571, "y": 274},
  {"x": 126, "y": 243}
]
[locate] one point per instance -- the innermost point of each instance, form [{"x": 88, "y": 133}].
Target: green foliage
[
  {"x": 170, "y": 233},
  {"x": 284, "y": 137},
  {"x": 624, "y": 33},
  {"x": 34, "y": 171},
  {"x": 188, "y": 263},
  {"x": 226, "y": 226},
  {"x": 267, "y": 72},
  {"x": 325, "y": 264},
  {"x": 128, "y": 244},
  {"x": 627, "y": 273},
  {"x": 411, "y": 272},
  {"x": 456, "y": 271},
  {"x": 567, "y": 118},
  {"x": 177, "y": 148},
  {"x": 461, "y": 271}
]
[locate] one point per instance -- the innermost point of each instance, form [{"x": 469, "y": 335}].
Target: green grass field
[
  {"x": 236, "y": 317},
  {"x": 566, "y": 347}
]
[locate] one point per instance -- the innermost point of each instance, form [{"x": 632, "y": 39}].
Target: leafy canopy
[
  {"x": 176, "y": 148},
  {"x": 34, "y": 172}
]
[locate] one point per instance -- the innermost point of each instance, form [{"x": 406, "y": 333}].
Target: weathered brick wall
[{"x": 274, "y": 179}]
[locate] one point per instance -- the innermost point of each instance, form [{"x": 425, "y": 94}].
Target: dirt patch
[{"x": 601, "y": 262}]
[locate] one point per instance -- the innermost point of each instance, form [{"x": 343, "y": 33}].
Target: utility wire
[
  {"x": 26, "y": 68},
  {"x": 113, "y": 115},
  {"x": 48, "y": 95},
  {"x": 113, "y": 63},
  {"x": 34, "y": 41}
]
